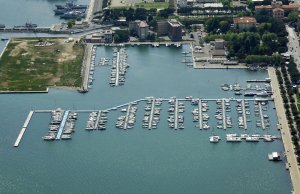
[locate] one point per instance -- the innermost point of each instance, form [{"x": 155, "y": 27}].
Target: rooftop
[
  {"x": 143, "y": 24},
  {"x": 278, "y": 10},
  {"x": 244, "y": 20}
]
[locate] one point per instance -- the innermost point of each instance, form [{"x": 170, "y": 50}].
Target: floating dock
[
  {"x": 117, "y": 68},
  {"x": 176, "y": 115},
  {"x": 62, "y": 125},
  {"x": 127, "y": 116},
  {"x": 200, "y": 114},
  {"x": 151, "y": 114},
  {"x": 261, "y": 117},
  {"x": 244, "y": 114},
  {"x": 224, "y": 114},
  {"x": 23, "y": 129},
  {"x": 97, "y": 120}
]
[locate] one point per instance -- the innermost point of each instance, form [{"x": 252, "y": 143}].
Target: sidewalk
[{"x": 285, "y": 132}]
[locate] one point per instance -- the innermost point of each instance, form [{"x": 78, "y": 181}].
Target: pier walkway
[
  {"x": 118, "y": 69},
  {"x": 176, "y": 115},
  {"x": 224, "y": 114},
  {"x": 261, "y": 116},
  {"x": 244, "y": 114},
  {"x": 200, "y": 114},
  {"x": 62, "y": 125},
  {"x": 127, "y": 116},
  {"x": 23, "y": 129},
  {"x": 151, "y": 114},
  {"x": 97, "y": 120}
]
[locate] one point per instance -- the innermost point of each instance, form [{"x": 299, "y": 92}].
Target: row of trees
[
  {"x": 275, "y": 59},
  {"x": 292, "y": 113},
  {"x": 130, "y": 14},
  {"x": 135, "y": 14},
  {"x": 293, "y": 72}
]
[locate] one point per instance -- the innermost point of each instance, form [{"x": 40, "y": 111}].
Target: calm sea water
[
  {"x": 18, "y": 12},
  {"x": 137, "y": 160}
]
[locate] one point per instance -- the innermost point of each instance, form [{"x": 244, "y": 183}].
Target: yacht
[{"x": 214, "y": 139}]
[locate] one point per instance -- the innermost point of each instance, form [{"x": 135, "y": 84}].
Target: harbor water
[
  {"x": 16, "y": 13},
  {"x": 139, "y": 160}
]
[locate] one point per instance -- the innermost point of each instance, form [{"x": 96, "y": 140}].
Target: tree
[
  {"x": 293, "y": 16},
  {"x": 224, "y": 26},
  {"x": 121, "y": 36}
]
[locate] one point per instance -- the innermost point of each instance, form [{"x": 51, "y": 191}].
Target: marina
[
  {"x": 98, "y": 118},
  {"x": 121, "y": 152}
]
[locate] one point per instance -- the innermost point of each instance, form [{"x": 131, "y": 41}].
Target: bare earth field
[{"x": 33, "y": 64}]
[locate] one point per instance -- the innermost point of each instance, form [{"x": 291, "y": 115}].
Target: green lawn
[
  {"x": 148, "y": 5},
  {"x": 26, "y": 67}
]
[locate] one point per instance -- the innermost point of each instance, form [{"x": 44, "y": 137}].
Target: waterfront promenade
[
  {"x": 86, "y": 66},
  {"x": 285, "y": 132}
]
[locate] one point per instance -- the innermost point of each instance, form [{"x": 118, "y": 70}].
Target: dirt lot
[{"x": 35, "y": 64}]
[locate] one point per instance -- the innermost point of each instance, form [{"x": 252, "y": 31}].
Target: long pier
[
  {"x": 118, "y": 69},
  {"x": 224, "y": 114},
  {"x": 127, "y": 116},
  {"x": 244, "y": 114},
  {"x": 200, "y": 114},
  {"x": 62, "y": 125},
  {"x": 23, "y": 129},
  {"x": 151, "y": 114},
  {"x": 176, "y": 115},
  {"x": 261, "y": 116},
  {"x": 97, "y": 120}
]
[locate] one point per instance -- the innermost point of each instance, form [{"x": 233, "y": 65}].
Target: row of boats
[
  {"x": 167, "y": 44},
  {"x": 224, "y": 121},
  {"x": 262, "y": 91},
  {"x": 58, "y": 123},
  {"x": 152, "y": 113},
  {"x": 97, "y": 121},
  {"x": 127, "y": 121},
  {"x": 92, "y": 67},
  {"x": 246, "y": 137},
  {"x": 175, "y": 119},
  {"x": 119, "y": 67},
  {"x": 203, "y": 117},
  {"x": 70, "y": 10},
  {"x": 103, "y": 61}
]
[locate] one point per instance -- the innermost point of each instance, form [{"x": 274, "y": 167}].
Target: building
[
  {"x": 175, "y": 30},
  {"x": 141, "y": 28},
  {"x": 278, "y": 13},
  {"x": 105, "y": 36},
  {"x": 172, "y": 28},
  {"x": 244, "y": 23},
  {"x": 279, "y": 9},
  {"x": 162, "y": 27},
  {"x": 219, "y": 44}
]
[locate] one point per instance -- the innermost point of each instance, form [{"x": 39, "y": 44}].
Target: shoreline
[
  {"x": 70, "y": 88},
  {"x": 285, "y": 132}
]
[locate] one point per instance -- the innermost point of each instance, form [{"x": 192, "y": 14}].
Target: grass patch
[
  {"x": 156, "y": 5},
  {"x": 27, "y": 67},
  {"x": 147, "y": 5}
]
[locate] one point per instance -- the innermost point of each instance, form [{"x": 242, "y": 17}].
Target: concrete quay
[{"x": 285, "y": 132}]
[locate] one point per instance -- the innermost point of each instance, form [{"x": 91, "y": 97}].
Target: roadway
[{"x": 293, "y": 45}]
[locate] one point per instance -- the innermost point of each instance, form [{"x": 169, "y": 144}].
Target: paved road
[
  {"x": 285, "y": 132},
  {"x": 293, "y": 45}
]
